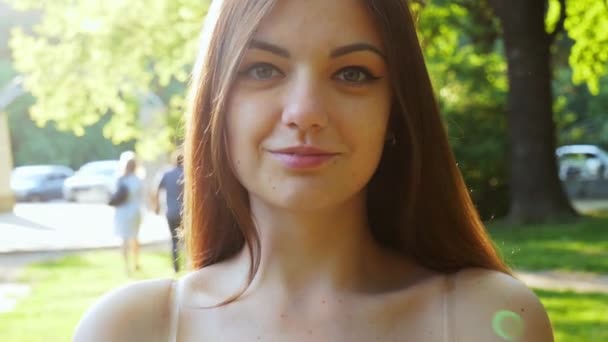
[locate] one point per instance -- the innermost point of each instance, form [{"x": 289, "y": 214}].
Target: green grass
[
  {"x": 578, "y": 246},
  {"x": 62, "y": 290},
  {"x": 577, "y": 317}
]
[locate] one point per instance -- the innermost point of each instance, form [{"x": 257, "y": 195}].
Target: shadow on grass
[
  {"x": 576, "y": 316},
  {"x": 580, "y": 245}
]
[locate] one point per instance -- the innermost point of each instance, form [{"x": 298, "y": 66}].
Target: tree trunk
[{"x": 536, "y": 191}]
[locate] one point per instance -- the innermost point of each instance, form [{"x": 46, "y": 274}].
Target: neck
[{"x": 304, "y": 253}]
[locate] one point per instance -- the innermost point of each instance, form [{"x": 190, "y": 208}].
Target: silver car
[
  {"x": 588, "y": 162},
  {"x": 93, "y": 182}
]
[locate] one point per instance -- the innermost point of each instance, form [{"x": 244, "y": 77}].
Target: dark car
[{"x": 39, "y": 182}]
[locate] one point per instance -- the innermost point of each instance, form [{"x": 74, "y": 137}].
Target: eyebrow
[
  {"x": 356, "y": 47},
  {"x": 277, "y": 50},
  {"x": 335, "y": 53}
]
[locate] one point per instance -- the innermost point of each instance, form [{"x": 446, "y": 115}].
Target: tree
[
  {"x": 536, "y": 192},
  {"x": 88, "y": 59}
]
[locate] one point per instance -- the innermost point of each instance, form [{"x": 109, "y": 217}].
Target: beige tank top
[{"x": 174, "y": 304}]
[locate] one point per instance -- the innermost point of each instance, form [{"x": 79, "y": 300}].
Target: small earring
[{"x": 391, "y": 139}]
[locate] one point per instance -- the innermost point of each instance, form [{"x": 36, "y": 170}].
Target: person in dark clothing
[{"x": 171, "y": 183}]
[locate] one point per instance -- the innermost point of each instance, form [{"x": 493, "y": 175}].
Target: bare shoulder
[
  {"x": 135, "y": 312},
  {"x": 493, "y": 306}
]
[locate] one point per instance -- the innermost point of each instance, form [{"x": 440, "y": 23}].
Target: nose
[{"x": 304, "y": 107}]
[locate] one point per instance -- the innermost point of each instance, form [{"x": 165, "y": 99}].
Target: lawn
[
  {"x": 580, "y": 246},
  {"x": 63, "y": 289},
  {"x": 577, "y": 317}
]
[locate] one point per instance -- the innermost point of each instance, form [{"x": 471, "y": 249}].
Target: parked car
[
  {"x": 39, "y": 182},
  {"x": 586, "y": 162},
  {"x": 93, "y": 182}
]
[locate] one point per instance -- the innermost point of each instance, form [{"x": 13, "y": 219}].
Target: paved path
[{"x": 67, "y": 226}]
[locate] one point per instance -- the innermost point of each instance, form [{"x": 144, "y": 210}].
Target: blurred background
[{"x": 522, "y": 85}]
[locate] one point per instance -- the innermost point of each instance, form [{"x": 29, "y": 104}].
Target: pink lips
[{"x": 303, "y": 157}]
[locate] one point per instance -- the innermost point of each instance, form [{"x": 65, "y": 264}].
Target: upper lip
[{"x": 304, "y": 150}]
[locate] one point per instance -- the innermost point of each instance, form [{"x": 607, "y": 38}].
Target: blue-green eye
[
  {"x": 355, "y": 74},
  {"x": 262, "y": 72}
]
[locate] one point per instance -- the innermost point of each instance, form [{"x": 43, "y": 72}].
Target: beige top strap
[
  {"x": 174, "y": 302},
  {"x": 447, "y": 308}
]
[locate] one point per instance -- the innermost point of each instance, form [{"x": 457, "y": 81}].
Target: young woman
[
  {"x": 128, "y": 214},
  {"x": 322, "y": 199}
]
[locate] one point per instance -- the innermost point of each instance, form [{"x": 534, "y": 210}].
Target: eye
[
  {"x": 262, "y": 72},
  {"x": 355, "y": 74}
]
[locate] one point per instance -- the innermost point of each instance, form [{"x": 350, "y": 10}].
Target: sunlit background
[{"x": 83, "y": 81}]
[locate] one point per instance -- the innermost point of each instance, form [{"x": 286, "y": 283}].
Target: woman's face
[{"x": 308, "y": 113}]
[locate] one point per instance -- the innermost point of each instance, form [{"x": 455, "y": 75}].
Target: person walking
[
  {"x": 171, "y": 184},
  {"x": 128, "y": 212}
]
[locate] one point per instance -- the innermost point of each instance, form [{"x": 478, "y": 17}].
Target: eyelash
[
  {"x": 368, "y": 76},
  {"x": 247, "y": 72}
]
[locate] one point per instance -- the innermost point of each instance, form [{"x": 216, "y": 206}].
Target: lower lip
[{"x": 303, "y": 161}]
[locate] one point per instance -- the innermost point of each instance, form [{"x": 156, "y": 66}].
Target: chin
[{"x": 307, "y": 199}]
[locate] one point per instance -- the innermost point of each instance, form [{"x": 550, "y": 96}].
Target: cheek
[
  {"x": 248, "y": 123},
  {"x": 363, "y": 127},
  {"x": 364, "y": 124}
]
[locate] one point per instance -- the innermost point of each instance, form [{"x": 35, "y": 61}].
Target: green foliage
[
  {"x": 10, "y": 19},
  {"x": 87, "y": 59},
  {"x": 32, "y": 144},
  {"x": 469, "y": 75},
  {"x": 579, "y": 115},
  {"x": 587, "y": 25}
]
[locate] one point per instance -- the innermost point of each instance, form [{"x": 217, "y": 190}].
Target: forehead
[{"x": 319, "y": 23}]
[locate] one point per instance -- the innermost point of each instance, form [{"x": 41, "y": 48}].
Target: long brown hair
[{"x": 417, "y": 201}]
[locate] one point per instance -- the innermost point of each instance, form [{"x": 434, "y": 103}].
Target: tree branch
[{"x": 559, "y": 27}]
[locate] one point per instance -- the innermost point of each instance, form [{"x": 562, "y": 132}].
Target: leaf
[{"x": 587, "y": 25}]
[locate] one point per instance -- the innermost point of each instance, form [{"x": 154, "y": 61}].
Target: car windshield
[{"x": 102, "y": 168}]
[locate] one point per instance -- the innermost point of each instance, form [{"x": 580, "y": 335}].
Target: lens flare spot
[{"x": 508, "y": 325}]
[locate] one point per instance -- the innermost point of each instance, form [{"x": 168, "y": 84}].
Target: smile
[{"x": 303, "y": 157}]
